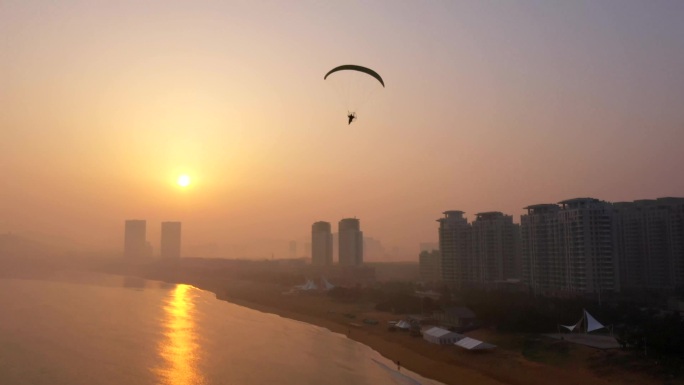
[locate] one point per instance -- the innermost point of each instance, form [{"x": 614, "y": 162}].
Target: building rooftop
[
  {"x": 452, "y": 215},
  {"x": 490, "y": 215},
  {"x": 578, "y": 201},
  {"x": 650, "y": 203},
  {"x": 541, "y": 206}
]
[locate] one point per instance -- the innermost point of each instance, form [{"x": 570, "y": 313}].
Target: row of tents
[
  {"x": 310, "y": 285},
  {"x": 439, "y": 336}
]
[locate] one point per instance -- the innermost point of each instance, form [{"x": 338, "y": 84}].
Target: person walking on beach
[{"x": 398, "y": 366}]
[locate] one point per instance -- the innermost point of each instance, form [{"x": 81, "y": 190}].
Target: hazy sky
[{"x": 488, "y": 106}]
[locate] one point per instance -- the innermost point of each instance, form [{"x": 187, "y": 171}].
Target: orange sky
[{"x": 488, "y": 106}]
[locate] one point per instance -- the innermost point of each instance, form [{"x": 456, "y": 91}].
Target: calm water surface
[{"x": 94, "y": 329}]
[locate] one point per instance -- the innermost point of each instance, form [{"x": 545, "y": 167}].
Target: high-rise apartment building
[
  {"x": 135, "y": 245},
  {"x": 495, "y": 249},
  {"x": 373, "y": 249},
  {"x": 575, "y": 247},
  {"x": 454, "y": 247},
  {"x": 428, "y": 246},
  {"x": 589, "y": 258},
  {"x": 321, "y": 244},
  {"x": 650, "y": 243},
  {"x": 171, "y": 240},
  {"x": 569, "y": 248},
  {"x": 538, "y": 243},
  {"x": 430, "y": 265},
  {"x": 350, "y": 242}
]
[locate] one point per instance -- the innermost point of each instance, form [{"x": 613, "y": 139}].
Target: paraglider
[
  {"x": 351, "y": 117},
  {"x": 355, "y": 85}
]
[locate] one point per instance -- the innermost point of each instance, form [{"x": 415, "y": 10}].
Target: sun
[{"x": 183, "y": 180}]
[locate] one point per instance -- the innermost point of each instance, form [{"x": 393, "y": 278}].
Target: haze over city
[{"x": 488, "y": 106}]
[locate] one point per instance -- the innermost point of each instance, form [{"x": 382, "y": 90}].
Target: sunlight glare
[
  {"x": 183, "y": 181},
  {"x": 179, "y": 348}
]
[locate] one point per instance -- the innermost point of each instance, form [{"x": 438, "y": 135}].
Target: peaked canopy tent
[
  {"x": 327, "y": 285},
  {"x": 309, "y": 285},
  {"x": 586, "y": 324}
]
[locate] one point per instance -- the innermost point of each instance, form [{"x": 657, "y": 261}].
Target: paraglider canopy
[
  {"x": 354, "y": 84},
  {"x": 354, "y": 67}
]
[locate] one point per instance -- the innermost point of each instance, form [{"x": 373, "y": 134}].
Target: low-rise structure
[{"x": 457, "y": 317}]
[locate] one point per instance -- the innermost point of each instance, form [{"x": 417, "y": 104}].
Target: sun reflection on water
[{"x": 179, "y": 349}]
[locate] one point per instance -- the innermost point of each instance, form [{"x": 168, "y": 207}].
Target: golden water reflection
[{"x": 179, "y": 348}]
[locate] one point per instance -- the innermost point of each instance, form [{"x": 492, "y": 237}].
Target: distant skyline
[
  {"x": 170, "y": 243},
  {"x": 488, "y": 106}
]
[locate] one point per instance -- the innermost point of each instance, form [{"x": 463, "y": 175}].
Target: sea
[{"x": 100, "y": 329}]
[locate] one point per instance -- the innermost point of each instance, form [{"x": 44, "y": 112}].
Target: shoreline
[
  {"x": 393, "y": 352},
  {"x": 511, "y": 363},
  {"x": 444, "y": 363}
]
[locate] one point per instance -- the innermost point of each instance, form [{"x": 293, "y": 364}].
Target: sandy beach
[{"x": 513, "y": 362}]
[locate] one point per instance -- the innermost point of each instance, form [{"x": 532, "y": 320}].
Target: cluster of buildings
[
  {"x": 350, "y": 243},
  {"x": 136, "y": 245},
  {"x": 577, "y": 246}
]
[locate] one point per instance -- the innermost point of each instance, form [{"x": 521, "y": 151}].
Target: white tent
[
  {"x": 473, "y": 344},
  {"x": 441, "y": 336},
  {"x": 403, "y": 325},
  {"x": 309, "y": 285},
  {"x": 586, "y": 324},
  {"x": 327, "y": 285},
  {"x": 592, "y": 323}
]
